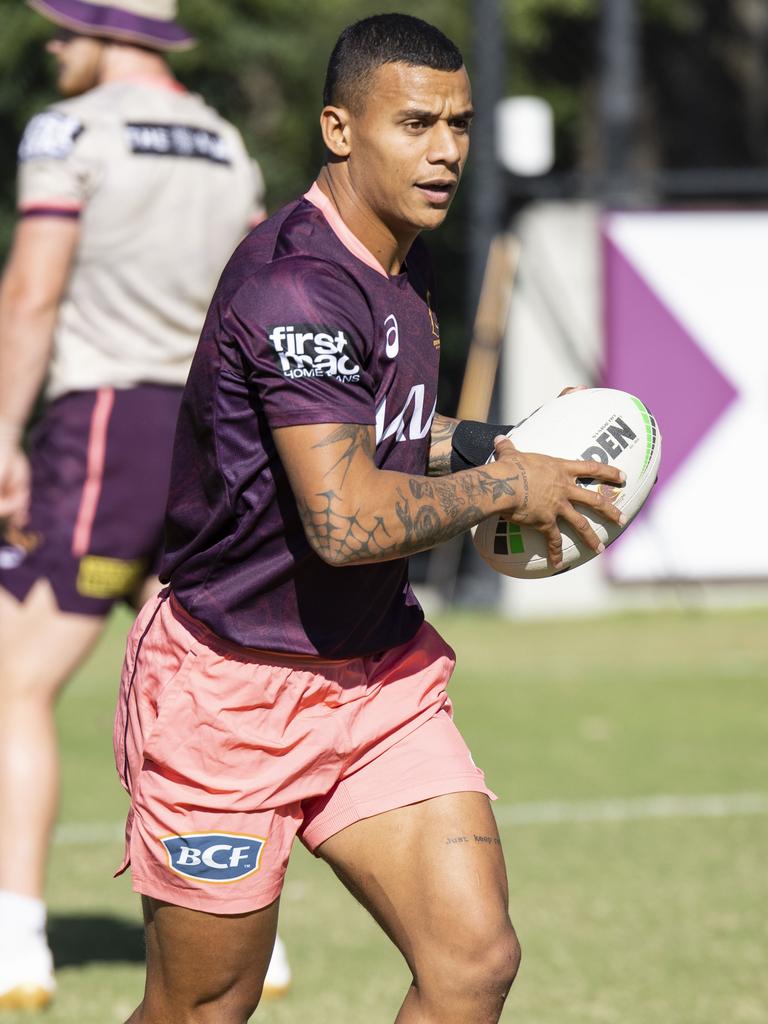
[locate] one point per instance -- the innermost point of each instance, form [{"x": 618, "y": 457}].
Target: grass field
[{"x": 630, "y": 909}]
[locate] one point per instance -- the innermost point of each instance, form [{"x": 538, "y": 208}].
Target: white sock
[
  {"x": 25, "y": 958},
  {"x": 21, "y": 915}
]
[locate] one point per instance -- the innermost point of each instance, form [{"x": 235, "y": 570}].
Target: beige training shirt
[{"x": 164, "y": 190}]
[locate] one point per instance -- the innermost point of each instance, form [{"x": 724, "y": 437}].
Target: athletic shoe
[
  {"x": 26, "y": 976},
  {"x": 278, "y": 979}
]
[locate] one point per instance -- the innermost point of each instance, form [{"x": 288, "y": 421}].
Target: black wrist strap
[{"x": 472, "y": 443}]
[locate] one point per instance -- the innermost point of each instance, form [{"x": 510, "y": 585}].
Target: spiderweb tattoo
[
  {"x": 339, "y": 536},
  {"x": 424, "y": 513}
]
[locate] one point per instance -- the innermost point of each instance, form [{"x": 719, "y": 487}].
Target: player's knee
[
  {"x": 513, "y": 955},
  {"x": 483, "y": 967},
  {"x": 19, "y": 687},
  {"x": 499, "y": 962}
]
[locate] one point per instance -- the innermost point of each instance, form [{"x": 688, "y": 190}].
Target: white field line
[
  {"x": 558, "y": 812},
  {"x": 72, "y": 834},
  {"x": 551, "y": 812}
]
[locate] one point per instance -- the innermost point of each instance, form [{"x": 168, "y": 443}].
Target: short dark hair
[{"x": 383, "y": 39}]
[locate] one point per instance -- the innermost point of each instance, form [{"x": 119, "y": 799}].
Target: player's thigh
[
  {"x": 197, "y": 959},
  {"x": 433, "y": 875},
  {"x": 40, "y": 645}
]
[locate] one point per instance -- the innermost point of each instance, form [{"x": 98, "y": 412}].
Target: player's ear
[{"x": 335, "y": 126}]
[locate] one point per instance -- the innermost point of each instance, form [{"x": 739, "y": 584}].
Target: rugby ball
[{"x": 596, "y": 424}]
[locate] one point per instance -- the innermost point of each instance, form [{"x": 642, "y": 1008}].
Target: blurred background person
[{"x": 132, "y": 192}]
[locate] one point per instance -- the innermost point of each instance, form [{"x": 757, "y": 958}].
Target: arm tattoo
[
  {"x": 424, "y": 514},
  {"x": 490, "y": 485},
  {"x": 357, "y": 438},
  {"x": 440, "y": 445},
  {"x": 342, "y": 536},
  {"x": 419, "y": 488},
  {"x": 419, "y": 521},
  {"x": 524, "y": 480}
]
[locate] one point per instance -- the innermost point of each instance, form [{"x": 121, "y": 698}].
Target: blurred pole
[
  {"x": 486, "y": 197},
  {"x": 755, "y": 21},
  {"x": 619, "y": 93}
]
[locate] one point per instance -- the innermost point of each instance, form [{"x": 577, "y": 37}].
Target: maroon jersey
[{"x": 305, "y": 327}]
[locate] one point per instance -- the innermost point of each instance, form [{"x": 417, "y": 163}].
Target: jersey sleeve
[
  {"x": 305, "y": 334},
  {"x": 54, "y": 177}
]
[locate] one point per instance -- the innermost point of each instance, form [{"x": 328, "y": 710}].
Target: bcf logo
[{"x": 213, "y": 856}]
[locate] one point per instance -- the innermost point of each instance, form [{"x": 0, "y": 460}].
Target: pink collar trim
[{"x": 319, "y": 199}]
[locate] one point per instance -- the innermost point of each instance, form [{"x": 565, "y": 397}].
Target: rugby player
[
  {"x": 132, "y": 195},
  {"x": 285, "y": 682}
]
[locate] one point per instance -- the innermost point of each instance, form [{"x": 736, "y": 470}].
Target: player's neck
[
  {"x": 121, "y": 63},
  {"x": 378, "y": 238}
]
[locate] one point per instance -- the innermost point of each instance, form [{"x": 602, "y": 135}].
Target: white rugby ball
[{"x": 597, "y": 424}]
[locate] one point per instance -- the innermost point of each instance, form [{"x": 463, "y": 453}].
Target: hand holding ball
[{"x": 599, "y": 425}]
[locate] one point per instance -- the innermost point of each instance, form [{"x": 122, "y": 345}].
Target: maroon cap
[{"x": 124, "y": 20}]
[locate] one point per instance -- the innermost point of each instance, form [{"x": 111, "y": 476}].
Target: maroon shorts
[{"x": 100, "y": 470}]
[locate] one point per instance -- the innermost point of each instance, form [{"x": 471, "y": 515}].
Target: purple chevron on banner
[{"x": 651, "y": 354}]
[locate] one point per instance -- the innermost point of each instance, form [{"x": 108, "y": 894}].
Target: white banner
[{"x": 686, "y": 329}]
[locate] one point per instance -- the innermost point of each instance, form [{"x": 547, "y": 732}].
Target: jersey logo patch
[
  {"x": 213, "y": 856},
  {"x": 49, "y": 136},
  {"x": 392, "y": 344},
  {"x": 101, "y": 577},
  {"x": 312, "y": 350},
  {"x": 433, "y": 322},
  {"x": 178, "y": 140},
  {"x": 411, "y": 423}
]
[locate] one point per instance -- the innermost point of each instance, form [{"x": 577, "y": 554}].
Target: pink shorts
[{"x": 228, "y": 753}]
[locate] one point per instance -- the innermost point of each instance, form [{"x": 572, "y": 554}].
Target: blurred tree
[{"x": 706, "y": 75}]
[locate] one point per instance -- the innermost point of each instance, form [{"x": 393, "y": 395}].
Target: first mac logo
[
  {"x": 213, "y": 856},
  {"x": 311, "y": 350}
]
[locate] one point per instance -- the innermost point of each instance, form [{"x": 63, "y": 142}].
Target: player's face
[
  {"x": 409, "y": 144},
  {"x": 79, "y": 60}
]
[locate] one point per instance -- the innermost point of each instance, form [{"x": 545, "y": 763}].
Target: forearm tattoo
[
  {"x": 424, "y": 512},
  {"x": 523, "y": 478},
  {"x": 440, "y": 445}
]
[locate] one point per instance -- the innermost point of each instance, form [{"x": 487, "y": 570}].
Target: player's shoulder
[
  {"x": 63, "y": 127},
  {"x": 312, "y": 278},
  {"x": 94, "y": 104},
  {"x": 290, "y": 243},
  {"x": 53, "y": 133},
  {"x": 271, "y": 266},
  {"x": 306, "y": 235}
]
